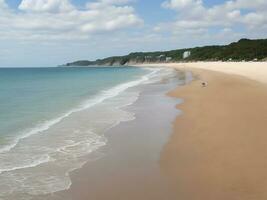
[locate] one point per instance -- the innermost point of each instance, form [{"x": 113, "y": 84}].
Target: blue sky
[{"x": 51, "y": 32}]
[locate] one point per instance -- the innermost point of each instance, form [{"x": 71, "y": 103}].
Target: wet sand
[
  {"x": 128, "y": 166},
  {"x": 219, "y": 146}
]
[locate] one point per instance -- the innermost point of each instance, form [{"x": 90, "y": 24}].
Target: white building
[
  {"x": 186, "y": 54},
  {"x": 168, "y": 59}
]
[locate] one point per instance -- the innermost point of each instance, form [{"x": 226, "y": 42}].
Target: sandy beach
[
  {"x": 133, "y": 100},
  {"x": 218, "y": 148},
  {"x": 215, "y": 149}
]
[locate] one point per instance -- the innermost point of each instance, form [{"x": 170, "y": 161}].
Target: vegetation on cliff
[{"x": 243, "y": 50}]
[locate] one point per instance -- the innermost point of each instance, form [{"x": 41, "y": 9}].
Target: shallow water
[
  {"x": 56, "y": 118},
  {"x": 128, "y": 166}
]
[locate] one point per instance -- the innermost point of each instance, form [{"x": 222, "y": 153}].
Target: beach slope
[{"x": 218, "y": 148}]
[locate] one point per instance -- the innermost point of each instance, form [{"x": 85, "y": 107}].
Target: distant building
[
  {"x": 168, "y": 59},
  {"x": 186, "y": 54},
  {"x": 161, "y": 58}
]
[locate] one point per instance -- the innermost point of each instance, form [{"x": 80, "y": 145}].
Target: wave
[
  {"x": 40, "y": 161},
  {"x": 73, "y": 147},
  {"x": 110, "y": 93}
]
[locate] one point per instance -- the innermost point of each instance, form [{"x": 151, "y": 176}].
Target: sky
[{"x": 44, "y": 33}]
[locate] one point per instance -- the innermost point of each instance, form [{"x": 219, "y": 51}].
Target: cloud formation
[
  {"x": 46, "y": 5},
  {"x": 57, "y": 31},
  {"x": 195, "y": 17},
  {"x": 59, "y": 19},
  {"x": 3, "y": 5}
]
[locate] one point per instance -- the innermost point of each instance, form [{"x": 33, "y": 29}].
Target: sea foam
[
  {"x": 87, "y": 104},
  {"x": 75, "y": 145}
]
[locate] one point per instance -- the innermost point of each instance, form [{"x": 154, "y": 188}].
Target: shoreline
[
  {"x": 256, "y": 71},
  {"x": 77, "y": 138},
  {"x": 128, "y": 165},
  {"x": 214, "y": 150},
  {"x": 217, "y": 149}
]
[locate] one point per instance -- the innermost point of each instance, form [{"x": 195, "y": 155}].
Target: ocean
[{"x": 51, "y": 119}]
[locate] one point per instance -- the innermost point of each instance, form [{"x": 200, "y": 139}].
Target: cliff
[{"x": 243, "y": 50}]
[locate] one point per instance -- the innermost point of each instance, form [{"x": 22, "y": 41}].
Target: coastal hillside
[{"x": 243, "y": 50}]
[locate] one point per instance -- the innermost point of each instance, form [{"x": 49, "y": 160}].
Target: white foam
[
  {"x": 44, "y": 159},
  {"x": 94, "y": 139},
  {"x": 89, "y": 103},
  {"x": 159, "y": 74},
  {"x": 74, "y": 149}
]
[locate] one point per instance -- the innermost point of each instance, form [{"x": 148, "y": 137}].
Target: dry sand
[{"x": 218, "y": 149}]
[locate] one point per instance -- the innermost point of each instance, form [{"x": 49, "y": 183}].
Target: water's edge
[
  {"x": 120, "y": 98},
  {"x": 116, "y": 154}
]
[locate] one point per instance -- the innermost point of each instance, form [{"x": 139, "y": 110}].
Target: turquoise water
[
  {"x": 51, "y": 119},
  {"x": 29, "y": 97}
]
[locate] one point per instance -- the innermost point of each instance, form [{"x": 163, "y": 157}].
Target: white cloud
[
  {"x": 3, "y": 5},
  {"x": 182, "y": 4},
  {"x": 59, "y": 19},
  {"x": 46, "y": 5},
  {"x": 193, "y": 15},
  {"x": 246, "y": 4},
  {"x": 115, "y": 1}
]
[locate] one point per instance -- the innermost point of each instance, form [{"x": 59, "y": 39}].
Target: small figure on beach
[{"x": 204, "y": 84}]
